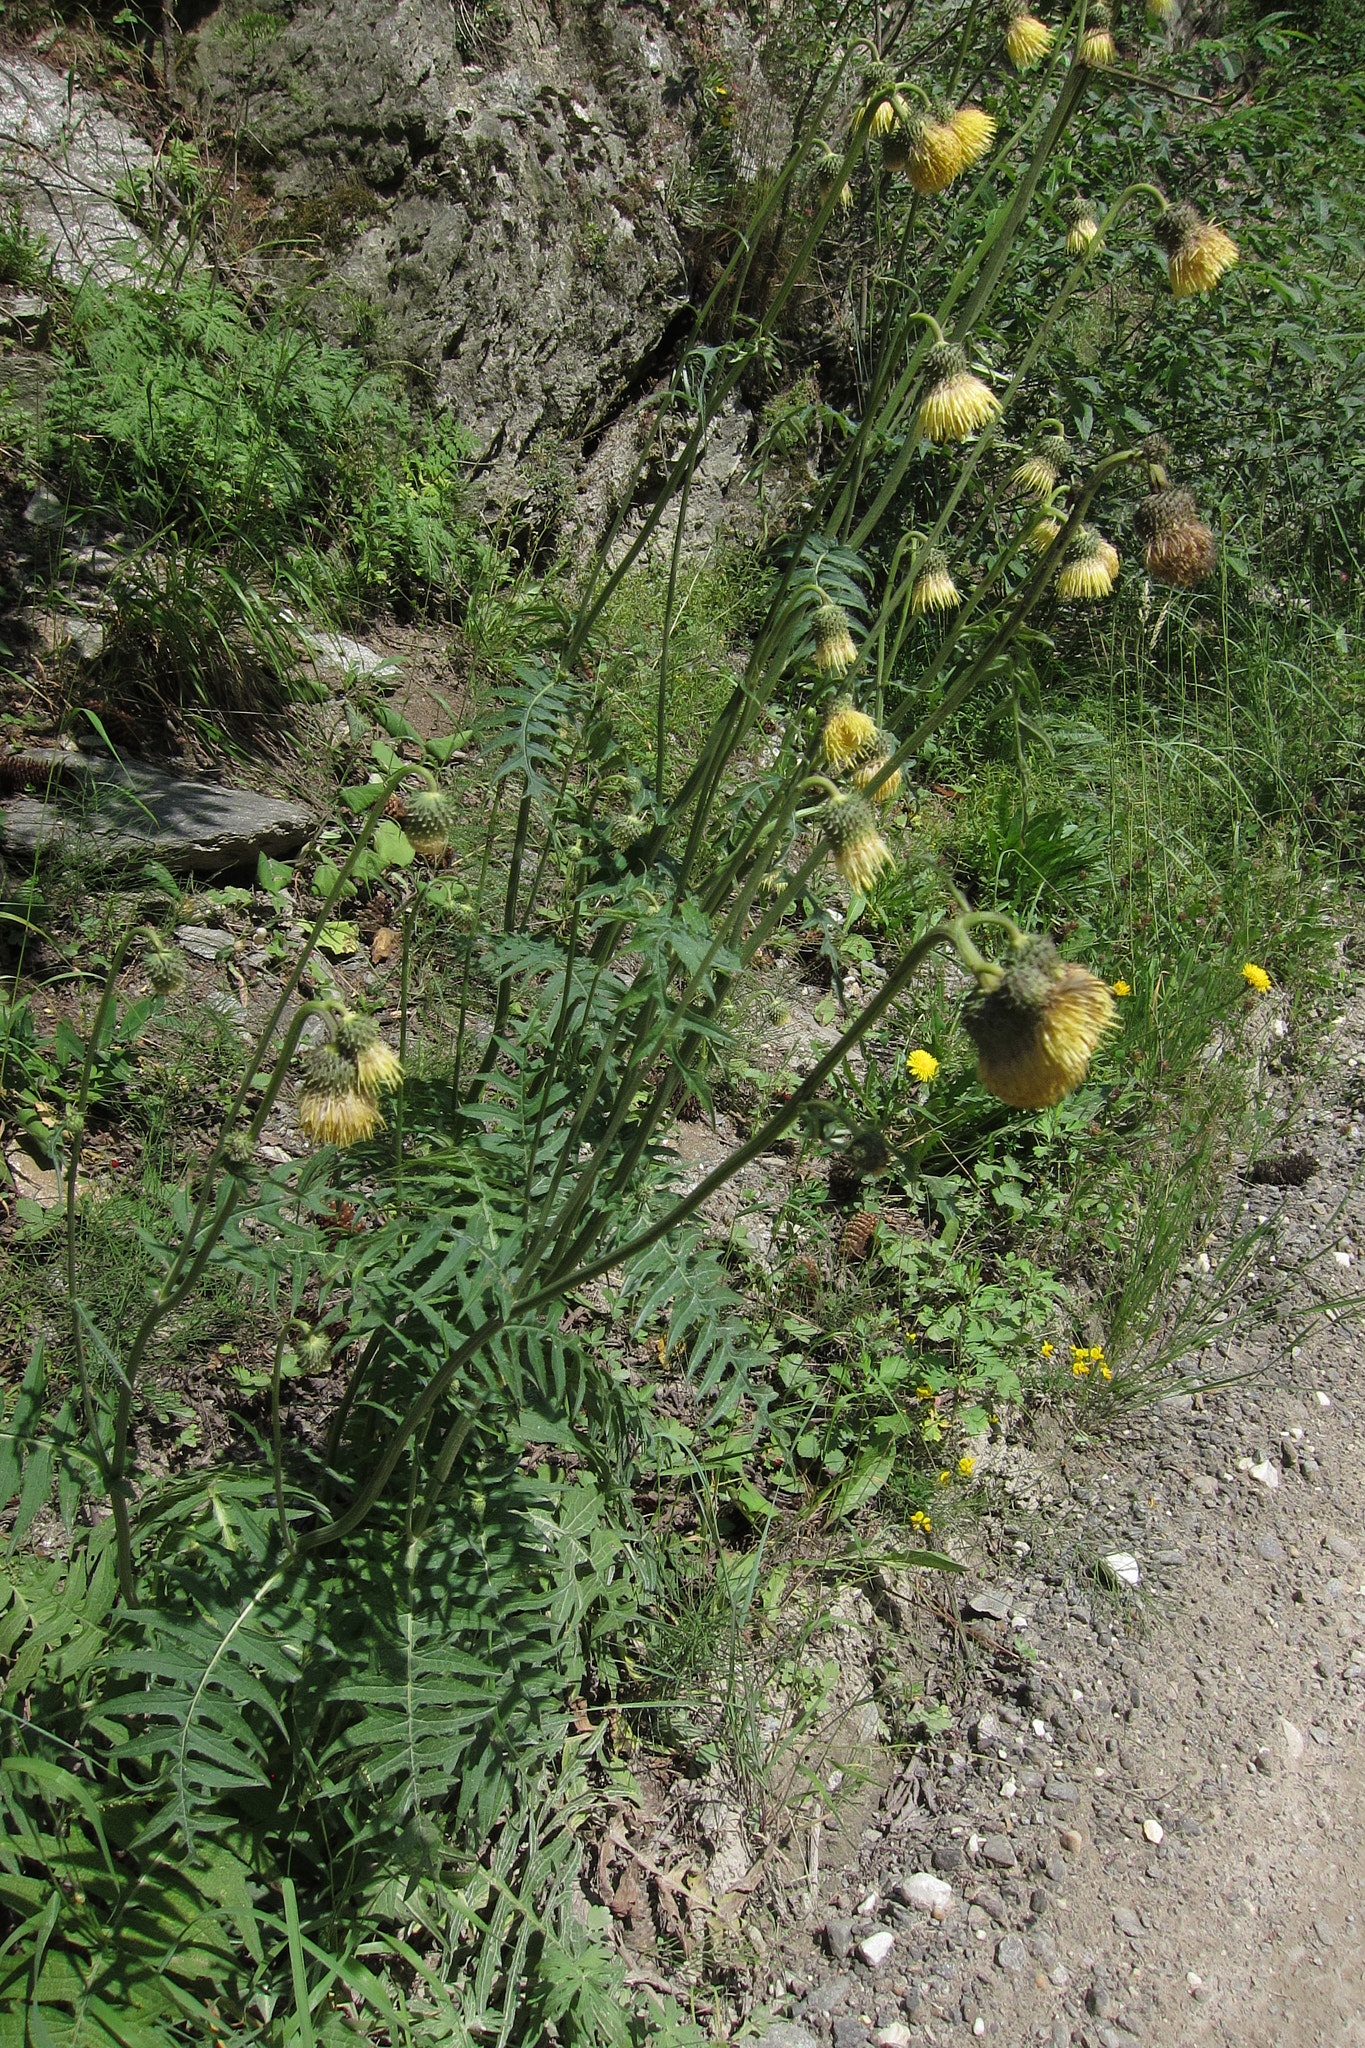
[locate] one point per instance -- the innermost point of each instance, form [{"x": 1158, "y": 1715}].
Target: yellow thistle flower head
[
  {"x": 1041, "y": 469},
  {"x": 1098, "y": 47},
  {"x": 1256, "y": 977},
  {"x": 957, "y": 402},
  {"x": 377, "y": 1067},
  {"x": 1042, "y": 533},
  {"x": 882, "y": 748},
  {"x": 835, "y": 652},
  {"x": 925, "y": 150},
  {"x": 878, "y": 104},
  {"x": 165, "y": 968},
  {"x": 428, "y": 822},
  {"x": 975, "y": 132},
  {"x": 1086, "y": 570},
  {"x": 922, "y": 1064},
  {"x": 1197, "y": 252},
  {"x": 934, "y": 589},
  {"x": 847, "y": 734},
  {"x": 1027, "y": 40},
  {"x": 1179, "y": 549},
  {"x": 1037, "y": 1028},
  {"x": 860, "y": 853},
  {"x": 1081, "y": 224},
  {"x": 1109, "y": 556},
  {"x": 331, "y": 1109},
  {"x": 829, "y": 172}
]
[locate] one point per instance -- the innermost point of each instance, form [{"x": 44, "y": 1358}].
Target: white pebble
[
  {"x": 897, "y": 2035},
  {"x": 1008, "y": 1789},
  {"x": 1039, "y": 1727},
  {"x": 1343, "y": 1258},
  {"x": 1323, "y": 1400},
  {"x": 1265, "y": 1475},
  {"x": 932, "y": 1894},
  {"x": 1195, "y": 1981},
  {"x": 1293, "y": 1740},
  {"x": 877, "y": 1947},
  {"x": 868, "y": 1907},
  {"x": 1124, "y": 1566},
  {"x": 1153, "y": 1830},
  {"x": 978, "y": 2025}
]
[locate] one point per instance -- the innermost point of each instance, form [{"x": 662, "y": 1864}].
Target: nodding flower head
[
  {"x": 1197, "y": 252},
  {"x": 378, "y": 1071},
  {"x": 1088, "y": 567},
  {"x": 1027, "y": 40},
  {"x": 956, "y": 402},
  {"x": 858, "y": 850},
  {"x": 829, "y": 173},
  {"x": 880, "y": 752},
  {"x": 332, "y": 1108},
  {"x": 1081, "y": 224},
  {"x": 1179, "y": 548},
  {"x": 933, "y": 150},
  {"x": 934, "y": 589},
  {"x": 835, "y": 652},
  {"x": 165, "y": 968},
  {"x": 1098, "y": 47},
  {"x": 428, "y": 820},
  {"x": 1037, "y": 1027},
  {"x": 1040, "y": 472},
  {"x": 1042, "y": 533},
  {"x": 846, "y": 735}
]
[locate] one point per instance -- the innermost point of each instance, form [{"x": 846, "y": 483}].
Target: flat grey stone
[
  {"x": 343, "y": 656},
  {"x": 56, "y": 630},
  {"x": 119, "y": 811},
  {"x": 1270, "y": 1548},
  {"x": 1127, "y": 1922},
  {"x": 992, "y": 1604},
  {"x": 825, "y": 1997},
  {"x": 1011, "y": 1954},
  {"x": 205, "y": 941},
  {"x": 998, "y": 1851},
  {"x": 1061, "y": 1792},
  {"x": 787, "y": 2034}
]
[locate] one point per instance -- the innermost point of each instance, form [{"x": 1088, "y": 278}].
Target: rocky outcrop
[
  {"x": 505, "y": 211},
  {"x": 63, "y": 157}
]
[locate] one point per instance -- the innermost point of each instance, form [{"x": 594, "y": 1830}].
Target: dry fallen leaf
[{"x": 386, "y": 945}]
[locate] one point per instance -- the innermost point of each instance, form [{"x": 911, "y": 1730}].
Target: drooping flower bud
[{"x": 1036, "y": 1029}]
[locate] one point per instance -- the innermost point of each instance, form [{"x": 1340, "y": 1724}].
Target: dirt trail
[{"x": 1219, "y": 1709}]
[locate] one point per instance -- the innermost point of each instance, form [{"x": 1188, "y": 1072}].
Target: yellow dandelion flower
[
  {"x": 966, "y": 1466},
  {"x": 1087, "y": 569},
  {"x": 1120, "y": 988},
  {"x": 835, "y": 652},
  {"x": 934, "y": 589},
  {"x": 957, "y": 402},
  {"x": 922, "y": 1064},
  {"x": 1081, "y": 226},
  {"x": 1256, "y": 976},
  {"x": 1037, "y": 1029},
  {"x": 1198, "y": 254},
  {"x": 1027, "y": 40},
  {"x": 929, "y": 152},
  {"x": 859, "y": 852},
  {"x": 847, "y": 733}
]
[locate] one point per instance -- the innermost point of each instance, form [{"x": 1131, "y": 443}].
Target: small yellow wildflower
[
  {"x": 944, "y": 1477},
  {"x": 1097, "y": 1352},
  {"x": 1120, "y": 988},
  {"x": 924, "y": 1393},
  {"x": 1079, "y": 1369},
  {"x": 1047, "y": 1351},
  {"x": 922, "y": 1064},
  {"x": 1105, "y": 1373},
  {"x": 1078, "y": 1351},
  {"x": 966, "y": 1466},
  {"x": 1256, "y": 976}
]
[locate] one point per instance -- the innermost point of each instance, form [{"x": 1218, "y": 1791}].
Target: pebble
[
  {"x": 897, "y": 2035},
  {"x": 876, "y": 1948},
  {"x": 1265, "y": 1475},
  {"x": 1011, "y": 1955},
  {"x": 826, "y": 1996},
  {"x": 1127, "y": 1922},
  {"x": 839, "y": 1938},
  {"x": 992, "y": 1605},
  {"x": 998, "y": 1851},
  {"x": 787, "y": 2034},
  {"x": 1061, "y": 1792},
  {"x": 931, "y": 1894},
  {"x": 1293, "y": 1740},
  {"x": 1124, "y": 1567},
  {"x": 1072, "y": 1840},
  {"x": 1270, "y": 1548},
  {"x": 1153, "y": 1831}
]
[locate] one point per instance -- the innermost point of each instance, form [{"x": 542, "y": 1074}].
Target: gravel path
[{"x": 1155, "y": 1831}]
